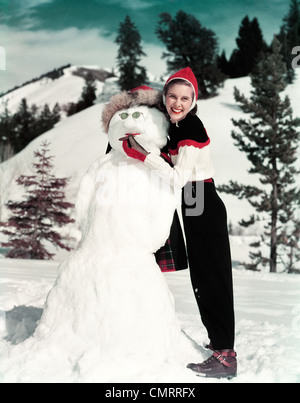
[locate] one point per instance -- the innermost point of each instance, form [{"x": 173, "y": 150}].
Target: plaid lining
[{"x": 164, "y": 257}]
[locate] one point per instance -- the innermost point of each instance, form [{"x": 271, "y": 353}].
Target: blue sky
[{"x": 39, "y": 35}]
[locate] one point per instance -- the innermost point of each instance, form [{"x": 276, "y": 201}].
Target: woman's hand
[{"x": 132, "y": 148}]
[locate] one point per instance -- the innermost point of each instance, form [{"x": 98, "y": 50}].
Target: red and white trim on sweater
[{"x": 189, "y": 143}]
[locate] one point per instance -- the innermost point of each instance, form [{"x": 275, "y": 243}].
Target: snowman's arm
[{"x": 85, "y": 191}]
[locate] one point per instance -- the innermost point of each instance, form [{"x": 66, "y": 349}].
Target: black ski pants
[{"x": 209, "y": 258}]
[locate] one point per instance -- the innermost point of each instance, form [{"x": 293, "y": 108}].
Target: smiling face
[
  {"x": 179, "y": 99},
  {"x": 149, "y": 125}
]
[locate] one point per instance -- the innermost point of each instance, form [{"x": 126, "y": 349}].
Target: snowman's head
[{"x": 136, "y": 113}]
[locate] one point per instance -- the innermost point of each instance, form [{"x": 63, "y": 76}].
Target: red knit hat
[{"x": 187, "y": 75}]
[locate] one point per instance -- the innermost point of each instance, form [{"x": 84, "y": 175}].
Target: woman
[{"x": 204, "y": 219}]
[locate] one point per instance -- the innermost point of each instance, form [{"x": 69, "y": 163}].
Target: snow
[
  {"x": 46, "y": 90},
  {"x": 76, "y": 142},
  {"x": 110, "y": 294},
  {"x": 267, "y": 328},
  {"x": 110, "y": 309},
  {"x": 267, "y": 305}
]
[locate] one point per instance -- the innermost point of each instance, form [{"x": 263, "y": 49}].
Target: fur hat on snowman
[
  {"x": 136, "y": 113},
  {"x": 142, "y": 95}
]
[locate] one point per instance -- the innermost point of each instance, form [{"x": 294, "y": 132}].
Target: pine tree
[
  {"x": 270, "y": 141},
  {"x": 19, "y": 129},
  {"x": 24, "y": 121},
  {"x": 223, "y": 64},
  {"x": 6, "y": 135},
  {"x": 188, "y": 43},
  {"x": 88, "y": 96},
  {"x": 45, "y": 120},
  {"x": 33, "y": 219},
  {"x": 129, "y": 55},
  {"x": 250, "y": 44}
]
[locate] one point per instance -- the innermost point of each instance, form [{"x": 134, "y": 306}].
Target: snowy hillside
[
  {"x": 63, "y": 90},
  {"x": 78, "y": 140},
  {"x": 75, "y": 143}
]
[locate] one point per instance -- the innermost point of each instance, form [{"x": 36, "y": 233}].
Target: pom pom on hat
[
  {"x": 142, "y": 95},
  {"x": 141, "y": 87}
]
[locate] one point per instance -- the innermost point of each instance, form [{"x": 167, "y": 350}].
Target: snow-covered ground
[{"x": 267, "y": 326}]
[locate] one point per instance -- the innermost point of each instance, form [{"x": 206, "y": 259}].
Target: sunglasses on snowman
[{"x": 135, "y": 115}]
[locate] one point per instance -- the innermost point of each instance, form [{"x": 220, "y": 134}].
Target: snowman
[{"x": 111, "y": 304}]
